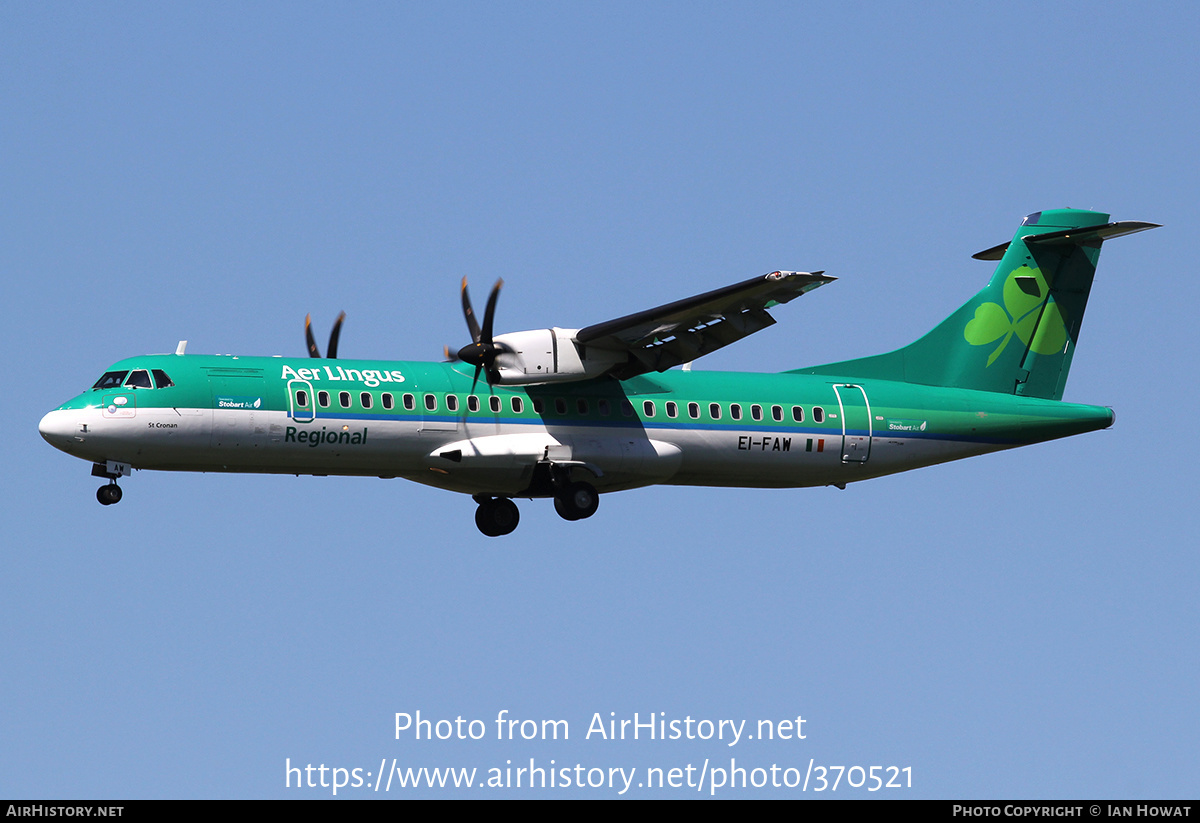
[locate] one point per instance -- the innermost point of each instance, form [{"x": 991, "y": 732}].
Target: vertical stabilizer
[{"x": 1018, "y": 334}]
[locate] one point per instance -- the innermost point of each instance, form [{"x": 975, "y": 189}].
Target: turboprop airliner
[{"x": 570, "y": 414}]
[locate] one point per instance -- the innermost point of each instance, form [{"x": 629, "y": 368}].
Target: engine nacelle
[{"x": 551, "y": 356}]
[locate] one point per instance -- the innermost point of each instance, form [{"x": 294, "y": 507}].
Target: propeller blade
[
  {"x": 483, "y": 351},
  {"x": 489, "y": 314},
  {"x": 468, "y": 312},
  {"x": 334, "y": 335},
  {"x": 313, "y": 351}
]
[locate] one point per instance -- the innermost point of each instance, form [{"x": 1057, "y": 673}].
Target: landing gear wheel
[
  {"x": 107, "y": 495},
  {"x": 577, "y": 501},
  {"x": 497, "y": 517},
  {"x": 561, "y": 508}
]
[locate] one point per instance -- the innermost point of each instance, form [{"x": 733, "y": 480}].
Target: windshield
[
  {"x": 110, "y": 380},
  {"x": 139, "y": 379}
]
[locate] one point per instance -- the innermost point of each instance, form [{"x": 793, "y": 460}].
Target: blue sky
[{"x": 1017, "y": 625}]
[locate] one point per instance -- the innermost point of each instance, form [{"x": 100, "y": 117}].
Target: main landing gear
[
  {"x": 497, "y": 516},
  {"x": 576, "y": 501}
]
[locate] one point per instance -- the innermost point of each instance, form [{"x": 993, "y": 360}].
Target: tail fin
[{"x": 1017, "y": 335}]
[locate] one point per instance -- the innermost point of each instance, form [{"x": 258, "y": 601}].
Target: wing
[{"x": 680, "y": 332}]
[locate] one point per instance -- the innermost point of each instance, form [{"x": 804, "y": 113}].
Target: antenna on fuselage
[{"x": 182, "y": 347}]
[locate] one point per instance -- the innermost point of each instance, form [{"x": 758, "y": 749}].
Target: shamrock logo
[{"x": 1025, "y": 291}]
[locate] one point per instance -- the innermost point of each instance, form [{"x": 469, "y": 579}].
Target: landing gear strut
[
  {"x": 109, "y": 494},
  {"x": 576, "y": 501},
  {"x": 110, "y": 469},
  {"x": 496, "y": 516}
]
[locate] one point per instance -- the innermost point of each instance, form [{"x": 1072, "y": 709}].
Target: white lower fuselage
[{"x": 489, "y": 456}]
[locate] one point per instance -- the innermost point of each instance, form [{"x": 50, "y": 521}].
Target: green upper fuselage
[{"x": 199, "y": 380}]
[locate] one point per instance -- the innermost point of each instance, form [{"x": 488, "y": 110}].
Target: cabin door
[
  {"x": 856, "y": 423},
  {"x": 301, "y": 402}
]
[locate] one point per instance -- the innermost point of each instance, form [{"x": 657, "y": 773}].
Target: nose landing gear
[
  {"x": 112, "y": 469},
  {"x": 109, "y": 494}
]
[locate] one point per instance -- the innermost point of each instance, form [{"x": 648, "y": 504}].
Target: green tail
[{"x": 1017, "y": 335}]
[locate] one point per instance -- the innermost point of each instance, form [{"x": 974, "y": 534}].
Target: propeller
[
  {"x": 482, "y": 353},
  {"x": 313, "y": 351}
]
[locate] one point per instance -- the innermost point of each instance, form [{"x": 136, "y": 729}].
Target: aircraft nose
[{"x": 58, "y": 428}]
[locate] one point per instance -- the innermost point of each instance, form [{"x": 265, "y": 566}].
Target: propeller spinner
[{"x": 313, "y": 351}]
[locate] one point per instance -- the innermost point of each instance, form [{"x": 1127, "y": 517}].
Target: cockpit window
[
  {"x": 161, "y": 380},
  {"x": 139, "y": 379},
  {"x": 110, "y": 380}
]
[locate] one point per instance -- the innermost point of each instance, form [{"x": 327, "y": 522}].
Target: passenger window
[
  {"x": 648, "y": 408},
  {"x": 410, "y": 402},
  {"x": 818, "y": 414},
  {"x": 430, "y": 402},
  {"x": 365, "y": 397},
  {"x": 110, "y": 380},
  {"x": 672, "y": 409},
  {"x": 581, "y": 405},
  {"x": 161, "y": 380},
  {"x": 388, "y": 402},
  {"x": 302, "y": 399},
  {"x": 452, "y": 402},
  {"x": 323, "y": 399},
  {"x": 798, "y": 414},
  {"x": 139, "y": 379},
  {"x": 560, "y": 405},
  {"x": 494, "y": 404},
  {"x": 777, "y": 414},
  {"x": 756, "y": 411},
  {"x": 517, "y": 405},
  {"x": 735, "y": 411},
  {"x": 603, "y": 406},
  {"x": 344, "y": 399},
  {"x": 538, "y": 405},
  {"x": 693, "y": 410},
  {"x": 626, "y": 408},
  {"x": 714, "y": 411},
  {"x": 472, "y": 403}
]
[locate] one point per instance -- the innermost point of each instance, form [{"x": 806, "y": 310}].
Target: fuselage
[{"x": 429, "y": 423}]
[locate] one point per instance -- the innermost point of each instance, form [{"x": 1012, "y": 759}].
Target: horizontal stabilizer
[{"x": 1082, "y": 236}]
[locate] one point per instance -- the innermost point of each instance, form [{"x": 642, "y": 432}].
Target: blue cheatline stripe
[{"x": 679, "y": 425}]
